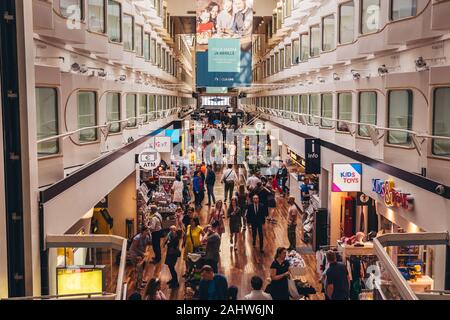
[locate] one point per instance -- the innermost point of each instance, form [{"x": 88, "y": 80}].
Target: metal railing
[{"x": 407, "y": 239}]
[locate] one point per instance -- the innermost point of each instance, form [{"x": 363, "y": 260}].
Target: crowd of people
[{"x": 247, "y": 204}]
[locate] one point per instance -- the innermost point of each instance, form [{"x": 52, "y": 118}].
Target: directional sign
[
  {"x": 312, "y": 156},
  {"x": 149, "y": 159}
]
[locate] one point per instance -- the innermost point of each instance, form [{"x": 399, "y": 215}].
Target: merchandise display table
[
  {"x": 421, "y": 284},
  {"x": 297, "y": 266},
  {"x": 351, "y": 250}
]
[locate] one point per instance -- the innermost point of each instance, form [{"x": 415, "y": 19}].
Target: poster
[
  {"x": 224, "y": 43},
  {"x": 347, "y": 177}
]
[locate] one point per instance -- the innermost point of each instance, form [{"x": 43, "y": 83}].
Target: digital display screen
[{"x": 79, "y": 280}]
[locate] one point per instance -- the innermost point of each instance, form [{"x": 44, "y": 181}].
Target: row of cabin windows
[
  {"x": 120, "y": 28},
  {"x": 400, "y": 113},
  {"x": 322, "y": 37},
  {"x": 47, "y": 114}
]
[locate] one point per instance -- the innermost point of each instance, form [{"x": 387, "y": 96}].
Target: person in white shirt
[
  {"x": 257, "y": 293},
  {"x": 225, "y": 18},
  {"x": 157, "y": 232},
  {"x": 252, "y": 182},
  {"x": 177, "y": 189},
  {"x": 229, "y": 178}
]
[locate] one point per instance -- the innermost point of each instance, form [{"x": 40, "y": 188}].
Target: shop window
[
  {"x": 295, "y": 103},
  {"x": 158, "y": 55},
  {"x": 441, "y": 121},
  {"x": 113, "y": 111},
  {"x": 296, "y": 51},
  {"x": 128, "y": 32},
  {"x": 344, "y": 111},
  {"x": 272, "y": 65},
  {"x": 153, "y": 49},
  {"x": 163, "y": 59},
  {"x": 131, "y": 110},
  {"x": 370, "y": 16},
  {"x": 304, "y": 47},
  {"x": 401, "y": 9},
  {"x": 327, "y": 110},
  {"x": 328, "y": 33},
  {"x": 139, "y": 38},
  {"x": 151, "y": 104},
  {"x": 72, "y": 9},
  {"x": 282, "y": 61},
  {"x": 114, "y": 21},
  {"x": 347, "y": 22},
  {"x": 400, "y": 116},
  {"x": 147, "y": 47},
  {"x": 288, "y": 56},
  {"x": 314, "y": 108},
  {"x": 277, "y": 62},
  {"x": 87, "y": 115},
  {"x": 367, "y": 111},
  {"x": 304, "y": 104},
  {"x": 47, "y": 120},
  {"x": 96, "y": 15},
  {"x": 314, "y": 32},
  {"x": 143, "y": 107}
]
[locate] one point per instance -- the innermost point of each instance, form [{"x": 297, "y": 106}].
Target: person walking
[
  {"x": 192, "y": 239},
  {"x": 279, "y": 274},
  {"x": 271, "y": 201},
  {"x": 139, "y": 246},
  {"x": 252, "y": 181},
  {"x": 173, "y": 253},
  {"x": 196, "y": 188},
  {"x": 212, "y": 286},
  {"x": 257, "y": 294},
  {"x": 177, "y": 189},
  {"x": 217, "y": 214},
  {"x": 210, "y": 181},
  {"x": 337, "y": 279},
  {"x": 242, "y": 197},
  {"x": 157, "y": 233},
  {"x": 292, "y": 223},
  {"x": 235, "y": 216},
  {"x": 229, "y": 178},
  {"x": 212, "y": 254},
  {"x": 256, "y": 216},
  {"x": 282, "y": 177}
]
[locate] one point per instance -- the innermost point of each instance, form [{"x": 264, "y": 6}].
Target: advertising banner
[
  {"x": 224, "y": 43},
  {"x": 347, "y": 177}
]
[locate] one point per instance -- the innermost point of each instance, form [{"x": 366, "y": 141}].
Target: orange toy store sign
[{"x": 392, "y": 196}]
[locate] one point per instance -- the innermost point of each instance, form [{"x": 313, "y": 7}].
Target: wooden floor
[{"x": 240, "y": 266}]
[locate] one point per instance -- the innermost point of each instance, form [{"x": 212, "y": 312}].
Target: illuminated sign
[
  {"x": 347, "y": 177},
  {"x": 391, "y": 196},
  {"x": 80, "y": 280}
]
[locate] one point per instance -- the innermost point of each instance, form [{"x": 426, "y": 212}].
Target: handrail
[
  {"x": 162, "y": 113},
  {"x": 317, "y": 123},
  {"x": 94, "y": 241},
  {"x": 94, "y": 295},
  {"x": 402, "y": 239}
]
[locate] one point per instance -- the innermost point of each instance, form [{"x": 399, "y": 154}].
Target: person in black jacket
[
  {"x": 173, "y": 253},
  {"x": 212, "y": 286},
  {"x": 210, "y": 181},
  {"x": 256, "y": 217}
]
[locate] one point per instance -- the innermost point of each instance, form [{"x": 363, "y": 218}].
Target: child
[{"x": 205, "y": 27}]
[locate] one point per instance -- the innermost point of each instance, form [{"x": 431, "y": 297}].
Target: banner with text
[{"x": 224, "y": 43}]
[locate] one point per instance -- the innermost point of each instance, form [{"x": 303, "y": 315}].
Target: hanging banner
[
  {"x": 224, "y": 43},
  {"x": 312, "y": 156}
]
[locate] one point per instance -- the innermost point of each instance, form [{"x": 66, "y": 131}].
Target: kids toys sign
[
  {"x": 347, "y": 177},
  {"x": 391, "y": 196}
]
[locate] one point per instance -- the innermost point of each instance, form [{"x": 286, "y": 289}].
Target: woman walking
[
  {"x": 279, "y": 274},
  {"x": 235, "y": 216},
  {"x": 192, "y": 239},
  {"x": 217, "y": 214},
  {"x": 242, "y": 198},
  {"x": 173, "y": 253}
]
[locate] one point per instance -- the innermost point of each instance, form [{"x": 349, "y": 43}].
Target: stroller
[{"x": 195, "y": 262}]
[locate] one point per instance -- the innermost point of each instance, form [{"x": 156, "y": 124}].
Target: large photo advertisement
[{"x": 224, "y": 43}]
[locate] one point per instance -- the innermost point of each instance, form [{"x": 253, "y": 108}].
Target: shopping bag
[{"x": 293, "y": 292}]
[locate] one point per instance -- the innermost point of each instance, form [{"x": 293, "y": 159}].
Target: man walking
[
  {"x": 256, "y": 216},
  {"x": 156, "y": 230},
  {"x": 229, "y": 178},
  {"x": 212, "y": 255},
  {"x": 292, "y": 223},
  {"x": 210, "y": 181},
  {"x": 337, "y": 279}
]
